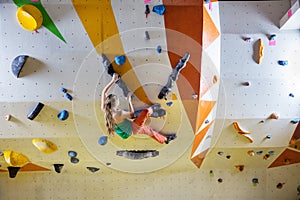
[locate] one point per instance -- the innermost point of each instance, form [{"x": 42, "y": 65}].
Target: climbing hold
[
  {"x": 69, "y": 97},
  {"x": 146, "y": 35},
  {"x": 279, "y": 185},
  {"x": 108, "y": 164},
  {"x": 137, "y": 154},
  {"x": 15, "y": 159},
  {"x": 29, "y": 17},
  {"x": 228, "y": 157},
  {"x": 93, "y": 169},
  {"x": 120, "y": 60},
  {"x": 158, "y": 49},
  {"x": 35, "y": 111},
  {"x": 251, "y": 153},
  {"x": 74, "y": 160},
  {"x": 159, "y": 9},
  {"x": 283, "y": 62},
  {"x": 17, "y": 64},
  {"x": 291, "y": 95},
  {"x": 170, "y": 103},
  {"x": 58, "y": 167},
  {"x": 64, "y": 90},
  {"x": 102, "y": 140},
  {"x": 72, "y": 154},
  {"x": 262, "y": 121},
  {"x": 7, "y": 117},
  {"x": 206, "y": 121},
  {"x": 266, "y": 156},
  {"x": 274, "y": 116},
  {"x": 260, "y": 52},
  {"x": 147, "y": 10},
  {"x": 269, "y": 136},
  {"x": 147, "y": 1},
  {"x": 220, "y": 153},
  {"x": 44, "y": 146},
  {"x": 211, "y": 173},
  {"x": 286, "y": 161},
  {"x": 259, "y": 152},
  {"x": 295, "y": 121},
  {"x": 220, "y": 180},
  {"x": 215, "y": 79},
  {"x": 248, "y": 39},
  {"x": 242, "y": 132},
  {"x": 63, "y": 115},
  {"x": 272, "y": 37},
  {"x": 240, "y": 167},
  {"x": 298, "y": 188},
  {"x": 207, "y": 1},
  {"x": 13, "y": 171},
  {"x": 195, "y": 96},
  {"x": 272, "y": 41},
  {"x": 271, "y": 153},
  {"x": 255, "y": 180},
  {"x": 246, "y": 83}
]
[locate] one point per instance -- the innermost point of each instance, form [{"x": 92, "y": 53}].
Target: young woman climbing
[{"x": 120, "y": 121}]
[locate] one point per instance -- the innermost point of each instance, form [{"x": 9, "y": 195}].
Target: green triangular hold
[{"x": 47, "y": 21}]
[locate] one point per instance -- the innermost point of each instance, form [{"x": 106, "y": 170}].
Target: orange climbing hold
[
  {"x": 242, "y": 132},
  {"x": 260, "y": 53}
]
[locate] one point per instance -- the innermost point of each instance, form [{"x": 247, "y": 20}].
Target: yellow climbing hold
[
  {"x": 29, "y": 17},
  {"x": 15, "y": 159},
  {"x": 44, "y": 146}
]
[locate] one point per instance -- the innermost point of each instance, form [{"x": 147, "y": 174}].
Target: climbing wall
[{"x": 71, "y": 60}]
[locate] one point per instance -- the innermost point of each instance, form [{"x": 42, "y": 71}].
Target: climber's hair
[{"x": 110, "y": 102}]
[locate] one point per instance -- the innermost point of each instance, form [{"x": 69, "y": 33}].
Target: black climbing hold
[
  {"x": 69, "y": 97},
  {"x": 58, "y": 167},
  {"x": 74, "y": 160},
  {"x": 147, "y": 10},
  {"x": 255, "y": 180},
  {"x": 35, "y": 111},
  {"x": 13, "y": 171},
  {"x": 93, "y": 169},
  {"x": 220, "y": 153},
  {"x": 220, "y": 180},
  {"x": 64, "y": 90},
  {"x": 137, "y": 154},
  {"x": 18, "y": 64},
  {"x": 147, "y": 36},
  {"x": 170, "y": 137},
  {"x": 228, "y": 157}
]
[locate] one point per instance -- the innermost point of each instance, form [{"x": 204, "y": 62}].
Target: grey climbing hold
[
  {"x": 37, "y": 109},
  {"x": 93, "y": 169},
  {"x": 137, "y": 154},
  {"x": 146, "y": 35},
  {"x": 74, "y": 160},
  {"x": 18, "y": 64}
]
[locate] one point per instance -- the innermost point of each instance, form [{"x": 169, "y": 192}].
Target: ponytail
[{"x": 109, "y": 120}]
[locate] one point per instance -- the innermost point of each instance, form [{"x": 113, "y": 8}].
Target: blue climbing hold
[
  {"x": 207, "y": 1},
  {"x": 272, "y": 37},
  {"x": 64, "y": 90},
  {"x": 295, "y": 121},
  {"x": 283, "y": 62},
  {"x": 169, "y": 103},
  {"x": 69, "y": 97},
  {"x": 158, "y": 49},
  {"x": 63, "y": 115},
  {"x": 159, "y": 9},
  {"x": 120, "y": 60},
  {"x": 259, "y": 152},
  {"x": 102, "y": 140},
  {"x": 72, "y": 154},
  {"x": 291, "y": 95}
]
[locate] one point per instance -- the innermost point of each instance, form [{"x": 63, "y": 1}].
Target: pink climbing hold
[
  {"x": 147, "y": 1},
  {"x": 35, "y": 0}
]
